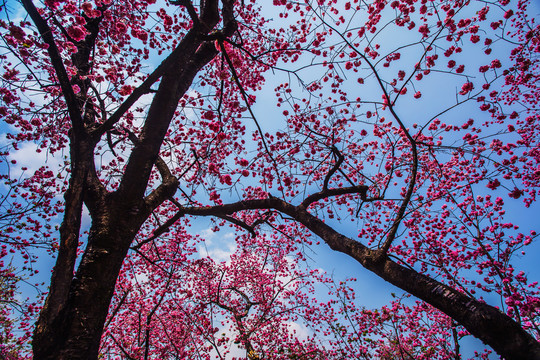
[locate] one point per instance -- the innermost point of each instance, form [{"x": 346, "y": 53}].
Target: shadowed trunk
[{"x": 76, "y": 332}]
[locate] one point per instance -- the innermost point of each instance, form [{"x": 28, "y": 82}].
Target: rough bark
[
  {"x": 82, "y": 173},
  {"x": 75, "y": 333},
  {"x": 63, "y": 271}
]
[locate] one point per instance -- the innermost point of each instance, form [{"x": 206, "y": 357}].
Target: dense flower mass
[{"x": 402, "y": 134}]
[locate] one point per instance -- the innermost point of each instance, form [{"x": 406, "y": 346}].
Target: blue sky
[{"x": 371, "y": 290}]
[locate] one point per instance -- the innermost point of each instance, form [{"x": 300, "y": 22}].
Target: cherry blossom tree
[
  {"x": 11, "y": 344},
  {"x": 249, "y": 303},
  {"x": 402, "y": 133},
  {"x": 397, "y": 331}
]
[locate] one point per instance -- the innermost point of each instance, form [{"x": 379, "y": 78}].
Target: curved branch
[
  {"x": 484, "y": 321},
  {"x": 340, "y": 159}
]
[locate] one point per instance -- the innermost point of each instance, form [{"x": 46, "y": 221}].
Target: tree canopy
[{"x": 401, "y": 134}]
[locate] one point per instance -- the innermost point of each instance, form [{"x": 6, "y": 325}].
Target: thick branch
[
  {"x": 83, "y": 187},
  {"x": 210, "y": 14},
  {"x": 62, "y": 274},
  {"x": 177, "y": 58},
  {"x": 173, "y": 86},
  {"x": 167, "y": 188},
  {"x": 141, "y": 90}
]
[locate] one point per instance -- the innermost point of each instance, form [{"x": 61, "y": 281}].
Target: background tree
[
  {"x": 13, "y": 312},
  {"x": 152, "y": 145},
  {"x": 211, "y": 307}
]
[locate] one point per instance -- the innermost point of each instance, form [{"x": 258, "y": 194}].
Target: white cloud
[
  {"x": 220, "y": 250},
  {"x": 29, "y": 157},
  {"x": 298, "y": 330}
]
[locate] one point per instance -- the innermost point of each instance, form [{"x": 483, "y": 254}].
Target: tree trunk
[
  {"x": 71, "y": 323},
  {"x": 75, "y": 333}
]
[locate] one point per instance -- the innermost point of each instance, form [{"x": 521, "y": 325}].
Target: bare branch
[
  {"x": 336, "y": 166},
  {"x": 358, "y": 189},
  {"x": 238, "y": 223}
]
